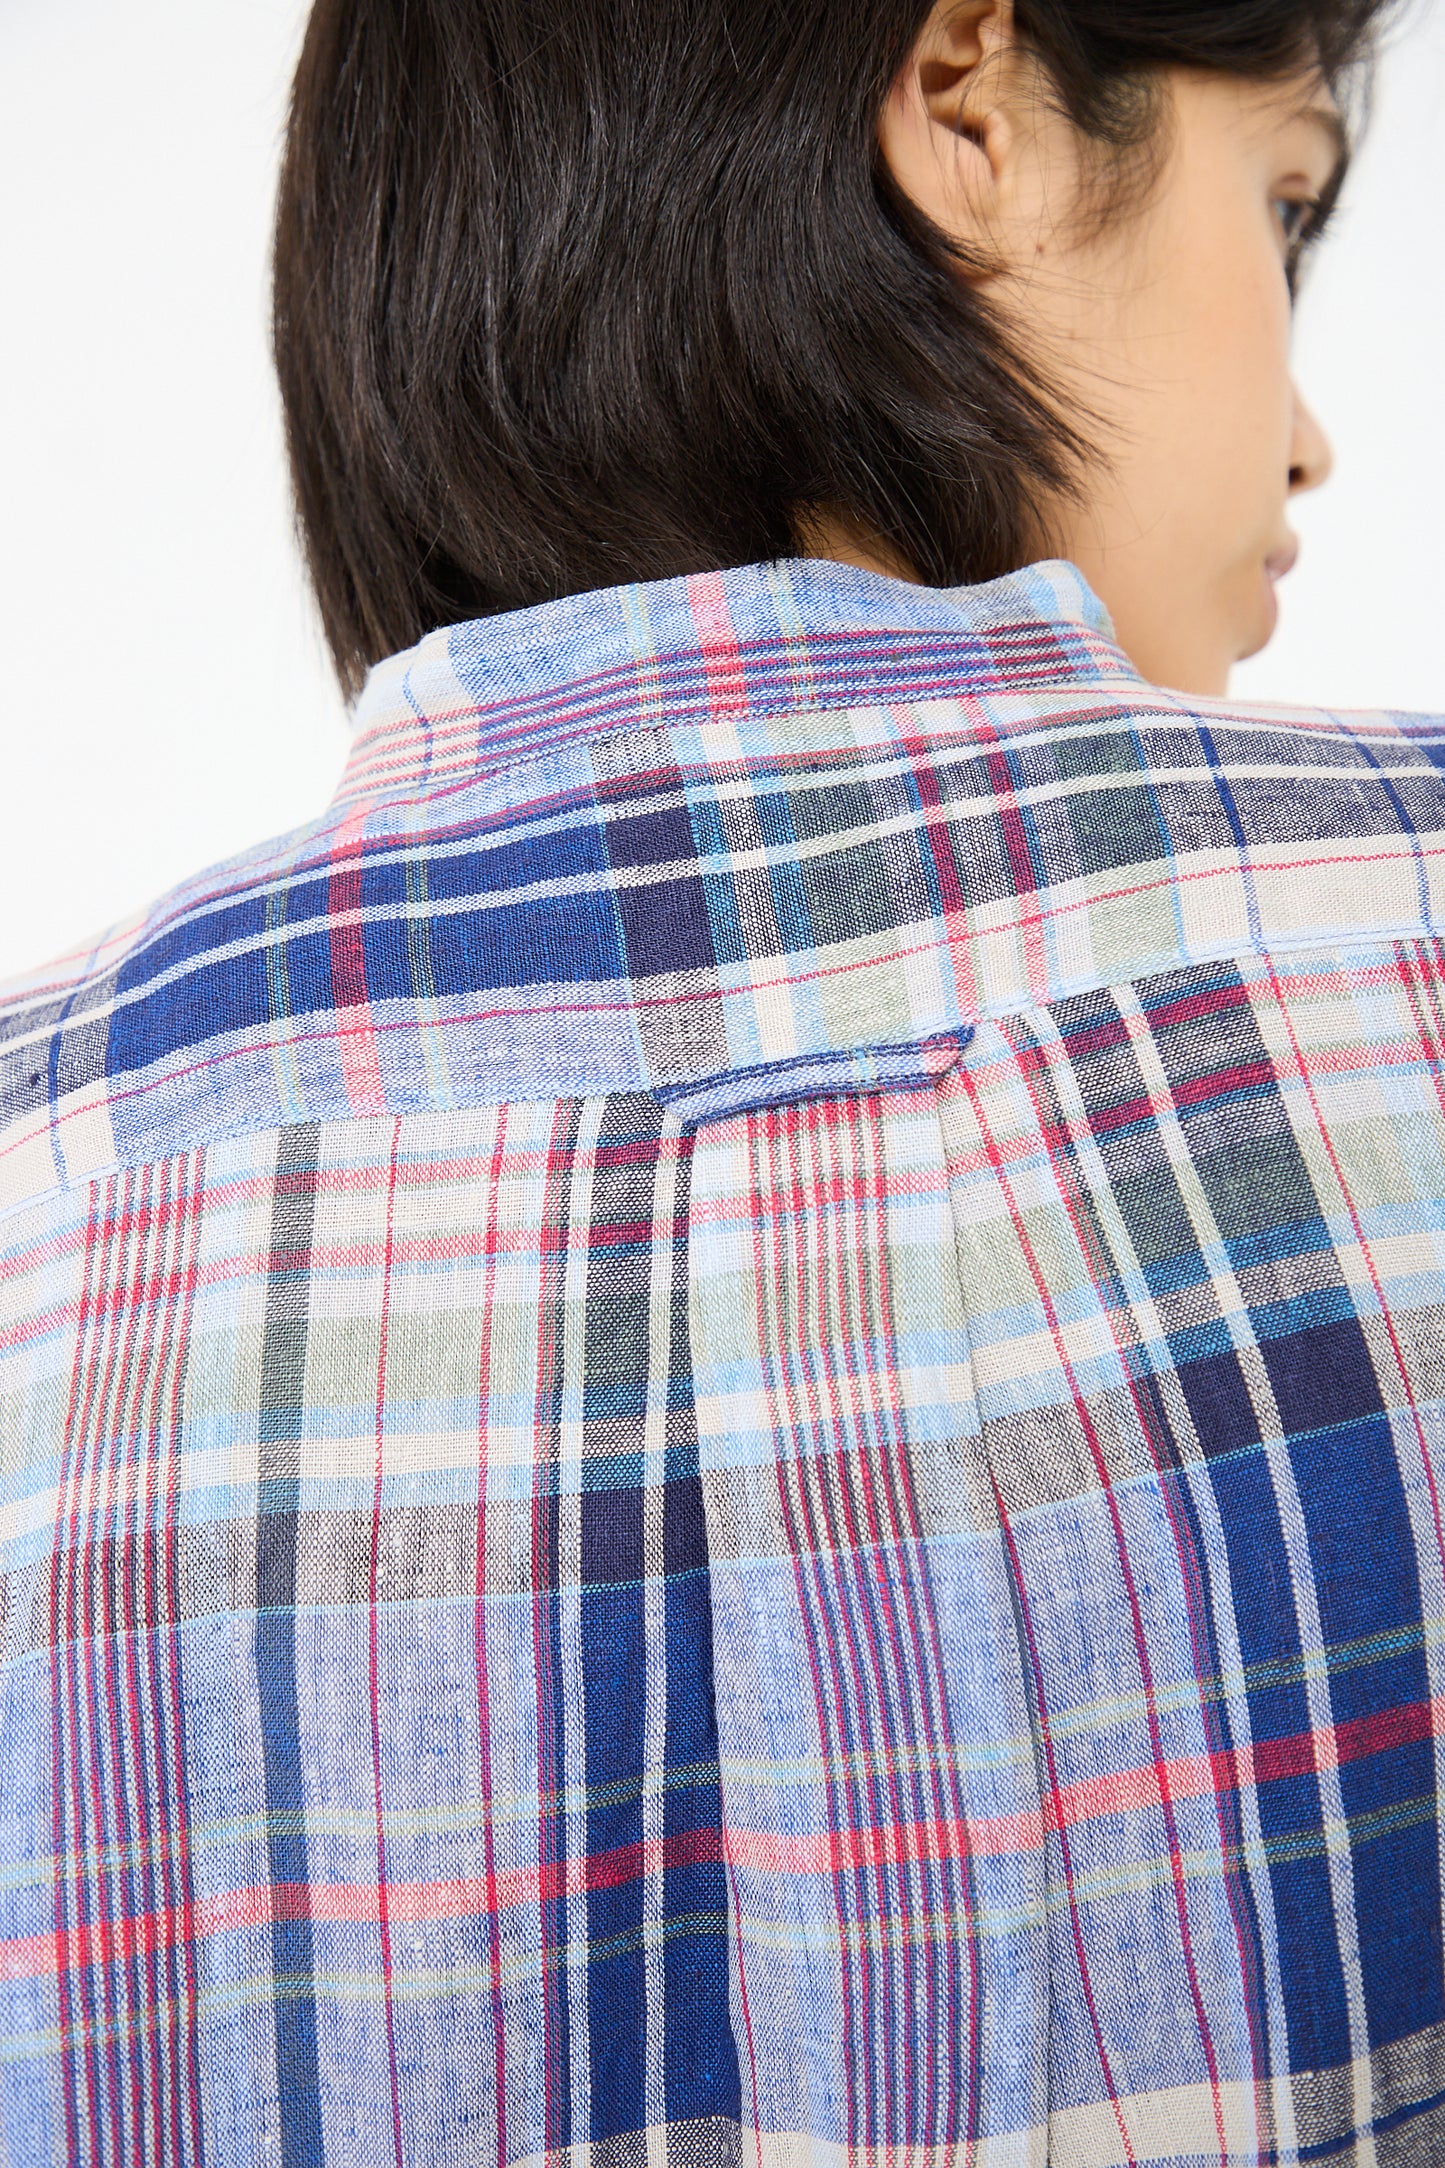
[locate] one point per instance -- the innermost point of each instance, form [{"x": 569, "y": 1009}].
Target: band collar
[{"x": 798, "y": 634}]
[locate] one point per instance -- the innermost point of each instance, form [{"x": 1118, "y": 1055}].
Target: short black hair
[{"x": 573, "y": 292}]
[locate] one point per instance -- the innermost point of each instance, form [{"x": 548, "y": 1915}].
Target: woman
[{"x": 724, "y": 1413}]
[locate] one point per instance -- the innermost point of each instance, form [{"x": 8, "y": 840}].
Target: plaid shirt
[{"x": 721, "y": 1424}]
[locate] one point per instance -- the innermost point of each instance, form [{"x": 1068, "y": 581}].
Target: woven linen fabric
[{"x": 721, "y": 1424}]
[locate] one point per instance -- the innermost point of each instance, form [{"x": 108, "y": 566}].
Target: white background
[{"x": 164, "y": 697}]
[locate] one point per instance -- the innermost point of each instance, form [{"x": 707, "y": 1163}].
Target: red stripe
[
  {"x": 763, "y": 1133},
  {"x": 844, "y": 1558},
  {"x": 720, "y": 654},
  {"x": 355, "y": 1038},
  {"x": 938, "y": 838},
  {"x": 1198, "y": 1091},
  {"x": 924, "y": 1666},
  {"x": 89, "y": 1942},
  {"x": 1213, "y": 1002},
  {"x": 180, "y": 1846},
  {"x": 1096, "y": 1038},
  {"x": 558, "y": 1162},
  {"x": 479, "y": 1600},
  {"x": 374, "y": 1651},
  {"x": 95, "y": 1658},
  {"x": 1243, "y": 1076},
  {"x": 846, "y": 1847},
  {"x": 142, "y": 1618}
]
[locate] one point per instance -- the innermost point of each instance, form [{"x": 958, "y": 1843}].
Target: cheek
[{"x": 1242, "y": 324}]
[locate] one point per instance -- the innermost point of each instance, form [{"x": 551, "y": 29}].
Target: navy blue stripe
[
  {"x": 282, "y": 1410},
  {"x": 1363, "y": 1552},
  {"x": 1225, "y": 1140},
  {"x": 555, "y": 1834},
  {"x": 613, "y": 1596},
  {"x": 644, "y": 1545},
  {"x": 498, "y": 930},
  {"x": 1377, "y": 2126},
  {"x": 1236, "y": 829},
  {"x": 1346, "y": 1475},
  {"x": 701, "y": 2069},
  {"x": 1408, "y": 827}
]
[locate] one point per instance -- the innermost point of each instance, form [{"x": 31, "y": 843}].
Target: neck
[{"x": 848, "y": 541}]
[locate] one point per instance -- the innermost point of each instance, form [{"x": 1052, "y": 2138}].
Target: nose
[{"x": 1310, "y": 457}]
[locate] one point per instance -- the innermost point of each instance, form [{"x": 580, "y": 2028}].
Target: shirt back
[{"x": 721, "y": 1427}]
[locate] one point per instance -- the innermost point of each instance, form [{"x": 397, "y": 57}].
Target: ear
[{"x": 945, "y": 132}]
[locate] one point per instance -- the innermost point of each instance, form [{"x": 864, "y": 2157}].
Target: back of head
[{"x": 570, "y": 294}]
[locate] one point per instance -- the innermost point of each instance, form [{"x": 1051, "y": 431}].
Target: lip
[{"x": 1283, "y": 560}]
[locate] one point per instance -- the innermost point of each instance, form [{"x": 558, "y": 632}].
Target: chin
[{"x": 1257, "y": 617}]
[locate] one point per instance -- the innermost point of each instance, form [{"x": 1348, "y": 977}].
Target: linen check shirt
[{"x": 721, "y": 1424}]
